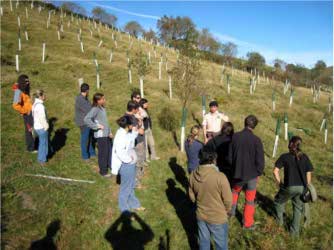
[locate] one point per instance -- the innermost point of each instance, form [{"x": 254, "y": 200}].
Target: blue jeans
[
  {"x": 127, "y": 199},
  {"x": 86, "y": 143},
  {"x": 218, "y": 231},
  {"x": 43, "y": 145}
]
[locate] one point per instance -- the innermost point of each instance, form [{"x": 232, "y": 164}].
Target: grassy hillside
[{"x": 82, "y": 215}]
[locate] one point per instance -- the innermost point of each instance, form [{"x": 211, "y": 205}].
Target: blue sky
[{"x": 297, "y": 32}]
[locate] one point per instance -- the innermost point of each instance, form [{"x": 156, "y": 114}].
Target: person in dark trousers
[
  {"x": 192, "y": 147},
  {"x": 220, "y": 144},
  {"x": 211, "y": 192},
  {"x": 246, "y": 157},
  {"x": 132, "y": 110},
  {"x": 295, "y": 164},
  {"x": 149, "y": 139},
  {"x": 97, "y": 120},
  {"x": 23, "y": 104},
  {"x": 82, "y": 107}
]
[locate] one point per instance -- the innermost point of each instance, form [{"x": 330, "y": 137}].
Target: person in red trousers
[{"x": 246, "y": 157}]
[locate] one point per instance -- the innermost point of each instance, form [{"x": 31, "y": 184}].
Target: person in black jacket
[
  {"x": 220, "y": 144},
  {"x": 82, "y": 107},
  {"x": 247, "y": 159}
]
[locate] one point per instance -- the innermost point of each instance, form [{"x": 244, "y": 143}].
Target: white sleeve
[{"x": 121, "y": 150}]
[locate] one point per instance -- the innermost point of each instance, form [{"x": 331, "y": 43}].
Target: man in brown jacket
[{"x": 211, "y": 191}]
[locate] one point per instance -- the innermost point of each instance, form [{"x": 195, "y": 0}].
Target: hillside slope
[{"x": 83, "y": 216}]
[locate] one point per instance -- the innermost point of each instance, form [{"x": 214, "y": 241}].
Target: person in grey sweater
[
  {"x": 82, "y": 107},
  {"x": 97, "y": 120}
]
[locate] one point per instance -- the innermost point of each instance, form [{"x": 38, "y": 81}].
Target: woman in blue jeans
[
  {"x": 41, "y": 126},
  {"x": 124, "y": 160}
]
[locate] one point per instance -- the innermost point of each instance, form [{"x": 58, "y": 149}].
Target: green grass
[{"x": 87, "y": 211}]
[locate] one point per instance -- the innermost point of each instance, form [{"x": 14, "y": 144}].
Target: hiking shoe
[
  {"x": 107, "y": 176},
  {"x": 155, "y": 159},
  {"x": 33, "y": 152},
  {"x": 139, "y": 209},
  {"x": 251, "y": 228},
  {"x": 42, "y": 164}
]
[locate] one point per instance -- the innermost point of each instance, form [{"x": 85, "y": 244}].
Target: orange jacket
[{"x": 25, "y": 105}]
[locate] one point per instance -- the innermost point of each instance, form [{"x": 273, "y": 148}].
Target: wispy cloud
[
  {"x": 307, "y": 58},
  {"x": 128, "y": 12}
]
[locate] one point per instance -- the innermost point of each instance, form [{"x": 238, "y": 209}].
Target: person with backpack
[
  {"x": 82, "y": 107},
  {"x": 97, "y": 120},
  {"x": 192, "y": 147},
  {"x": 23, "y": 104},
  {"x": 41, "y": 126},
  {"x": 149, "y": 139},
  {"x": 220, "y": 144},
  {"x": 124, "y": 160},
  {"x": 210, "y": 190},
  {"x": 246, "y": 156},
  {"x": 297, "y": 175}
]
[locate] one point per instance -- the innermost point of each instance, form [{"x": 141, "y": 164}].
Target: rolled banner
[
  {"x": 278, "y": 129},
  {"x": 183, "y": 125},
  {"x": 273, "y": 98},
  {"x": 203, "y": 105},
  {"x": 326, "y": 132},
  {"x": 285, "y": 126}
]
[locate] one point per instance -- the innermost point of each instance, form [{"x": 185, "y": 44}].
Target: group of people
[
  {"x": 227, "y": 163},
  {"x": 127, "y": 152},
  {"x": 219, "y": 169},
  {"x": 34, "y": 116}
]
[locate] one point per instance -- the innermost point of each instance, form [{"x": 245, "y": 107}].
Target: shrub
[{"x": 168, "y": 119}]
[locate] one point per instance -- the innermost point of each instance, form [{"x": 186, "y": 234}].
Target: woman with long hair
[
  {"x": 23, "y": 104},
  {"x": 192, "y": 147},
  {"x": 297, "y": 170},
  {"x": 97, "y": 120}
]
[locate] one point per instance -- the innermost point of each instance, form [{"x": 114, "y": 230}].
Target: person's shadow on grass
[
  {"x": 47, "y": 241},
  {"x": 179, "y": 172},
  {"x": 185, "y": 211},
  {"x": 127, "y": 236},
  {"x": 58, "y": 141}
]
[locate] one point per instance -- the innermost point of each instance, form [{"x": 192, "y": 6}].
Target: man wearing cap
[
  {"x": 82, "y": 107},
  {"x": 213, "y": 122}
]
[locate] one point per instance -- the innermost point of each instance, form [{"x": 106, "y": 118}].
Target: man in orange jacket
[{"x": 22, "y": 104}]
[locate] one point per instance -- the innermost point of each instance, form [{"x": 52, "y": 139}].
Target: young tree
[
  {"x": 134, "y": 28},
  {"x": 74, "y": 7},
  {"x": 150, "y": 35},
  {"x": 103, "y": 16},
  {"x": 229, "y": 50},
  {"x": 187, "y": 81},
  {"x": 142, "y": 67},
  {"x": 255, "y": 60}
]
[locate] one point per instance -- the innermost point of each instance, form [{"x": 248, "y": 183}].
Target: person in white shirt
[
  {"x": 41, "y": 126},
  {"x": 213, "y": 122},
  {"x": 123, "y": 162}
]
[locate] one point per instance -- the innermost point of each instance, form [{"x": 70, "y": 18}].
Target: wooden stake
[
  {"x": 11, "y": 5},
  {"x": 82, "y": 47},
  {"x": 111, "y": 55},
  {"x": 26, "y": 35},
  {"x": 326, "y": 133},
  {"x": 18, "y": 21}
]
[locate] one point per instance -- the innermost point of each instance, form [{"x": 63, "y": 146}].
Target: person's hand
[
  {"x": 205, "y": 140},
  {"x": 111, "y": 136},
  {"x": 100, "y": 126}
]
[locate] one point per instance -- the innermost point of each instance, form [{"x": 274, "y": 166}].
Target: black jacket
[
  {"x": 246, "y": 155},
  {"x": 220, "y": 144}
]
